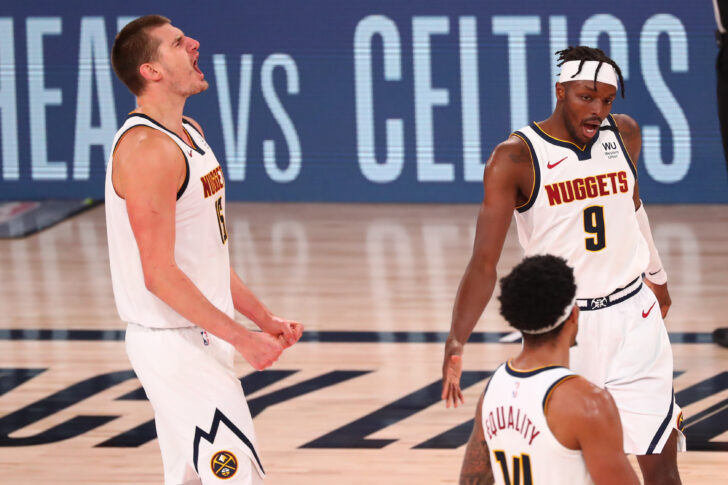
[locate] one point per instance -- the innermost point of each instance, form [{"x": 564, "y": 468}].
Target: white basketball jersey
[
  {"x": 582, "y": 209},
  {"x": 200, "y": 247},
  {"x": 522, "y": 448}
]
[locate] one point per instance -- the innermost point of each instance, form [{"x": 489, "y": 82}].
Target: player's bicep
[
  {"x": 150, "y": 181},
  {"x": 496, "y": 211},
  {"x": 600, "y": 439}
]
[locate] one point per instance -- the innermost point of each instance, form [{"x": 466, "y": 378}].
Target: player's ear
[
  {"x": 573, "y": 320},
  {"x": 149, "y": 71},
  {"x": 560, "y": 91}
]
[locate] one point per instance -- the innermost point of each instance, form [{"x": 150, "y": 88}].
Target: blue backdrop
[{"x": 357, "y": 100}]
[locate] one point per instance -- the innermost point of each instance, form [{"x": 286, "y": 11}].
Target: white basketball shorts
[
  {"x": 203, "y": 423},
  {"x": 622, "y": 346}
]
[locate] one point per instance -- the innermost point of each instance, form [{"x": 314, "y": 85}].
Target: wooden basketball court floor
[{"x": 357, "y": 400}]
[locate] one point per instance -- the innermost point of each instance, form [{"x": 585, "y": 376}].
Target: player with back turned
[
  {"x": 572, "y": 182},
  {"x": 538, "y": 422},
  {"x": 170, "y": 267}
]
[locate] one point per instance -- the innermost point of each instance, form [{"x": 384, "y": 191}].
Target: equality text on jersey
[{"x": 501, "y": 419}]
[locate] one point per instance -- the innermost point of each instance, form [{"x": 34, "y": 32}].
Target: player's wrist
[
  {"x": 454, "y": 344},
  {"x": 657, "y": 275},
  {"x": 241, "y": 336},
  {"x": 266, "y": 321}
]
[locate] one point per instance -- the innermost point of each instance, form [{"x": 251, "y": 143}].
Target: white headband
[
  {"x": 569, "y": 69},
  {"x": 562, "y": 318}
]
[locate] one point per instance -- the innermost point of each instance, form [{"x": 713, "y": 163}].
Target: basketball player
[
  {"x": 543, "y": 423},
  {"x": 572, "y": 182},
  {"x": 170, "y": 267}
]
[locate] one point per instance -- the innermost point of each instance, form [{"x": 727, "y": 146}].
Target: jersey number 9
[{"x": 594, "y": 224}]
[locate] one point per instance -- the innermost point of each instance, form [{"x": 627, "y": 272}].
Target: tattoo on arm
[
  {"x": 476, "y": 468},
  {"x": 521, "y": 155}
]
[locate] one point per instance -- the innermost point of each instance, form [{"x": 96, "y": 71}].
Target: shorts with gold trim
[
  {"x": 624, "y": 348},
  {"x": 203, "y": 422}
]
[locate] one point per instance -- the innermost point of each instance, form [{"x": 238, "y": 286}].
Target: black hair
[
  {"x": 535, "y": 293},
  {"x": 583, "y": 53}
]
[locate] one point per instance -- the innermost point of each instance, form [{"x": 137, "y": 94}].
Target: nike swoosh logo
[
  {"x": 552, "y": 165},
  {"x": 653, "y": 274},
  {"x": 644, "y": 315}
]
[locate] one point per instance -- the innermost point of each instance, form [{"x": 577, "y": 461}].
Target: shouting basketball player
[
  {"x": 542, "y": 422},
  {"x": 170, "y": 267},
  {"x": 572, "y": 182}
]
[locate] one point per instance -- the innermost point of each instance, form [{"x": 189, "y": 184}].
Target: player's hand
[
  {"x": 452, "y": 368},
  {"x": 286, "y": 331},
  {"x": 662, "y": 294},
  {"x": 260, "y": 349}
]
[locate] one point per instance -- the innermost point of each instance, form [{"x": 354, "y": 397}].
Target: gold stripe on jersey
[
  {"x": 192, "y": 140},
  {"x": 626, "y": 153},
  {"x": 581, "y": 148},
  {"x": 533, "y": 170},
  {"x": 524, "y": 371},
  {"x": 551, "y": 390}
]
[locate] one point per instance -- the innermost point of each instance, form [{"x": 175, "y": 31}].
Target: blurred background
[{"x": 357, "y": 101}]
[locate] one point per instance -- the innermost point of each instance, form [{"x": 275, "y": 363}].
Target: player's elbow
[
  {"x": 151, "y": 281},
  {"x": 155, "y": 276},
  {"x": 482, "y": 267}
]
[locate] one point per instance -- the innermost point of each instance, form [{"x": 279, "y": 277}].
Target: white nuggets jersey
[
  {"x": 582, "y": 209},
  {"x": 523, "y": 451},
  {"x": 200, "y": 251}
]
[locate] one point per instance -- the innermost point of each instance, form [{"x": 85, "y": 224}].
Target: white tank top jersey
[
  {"x": 582, "y": 209},
  {"x": 200, "y": 247},
  {"x": 522, "y": 448}
]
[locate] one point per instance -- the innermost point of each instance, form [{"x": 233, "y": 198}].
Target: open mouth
[
  {"x": 196, "y": 68},
  {"x": 590, "y": 128}
]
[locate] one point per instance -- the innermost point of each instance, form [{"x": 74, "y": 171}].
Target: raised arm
[
  {"x": 476, "y": 469},
  {"x": 506, "y": 175},
  {"x": 151, "y": 203}
]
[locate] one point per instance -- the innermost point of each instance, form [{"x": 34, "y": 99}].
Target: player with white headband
[
  {"x": 571, "y": 181},
  {"x": 544, "y": 423}
]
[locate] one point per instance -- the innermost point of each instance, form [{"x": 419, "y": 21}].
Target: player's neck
[
  {"x": 534, "y": 356},
  {"x": 163, "y": 108},
  {"x": 555, "y": 126}
]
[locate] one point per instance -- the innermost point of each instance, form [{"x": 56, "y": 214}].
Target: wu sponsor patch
[{"x": 224, "y": 464}]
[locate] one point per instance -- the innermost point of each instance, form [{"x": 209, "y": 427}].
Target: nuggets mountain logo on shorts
[
  {"x": 224, "y": 464},
  {"x": 680, "y": 422}
]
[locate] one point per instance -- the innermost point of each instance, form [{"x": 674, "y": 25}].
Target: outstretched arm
[
  {"x": 476, "y": 469},
  {"x": 501, "y": 181}
]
